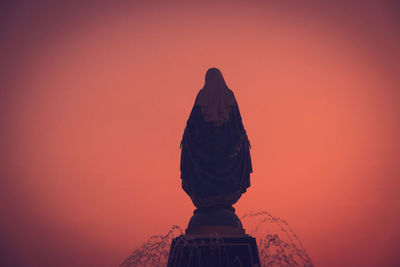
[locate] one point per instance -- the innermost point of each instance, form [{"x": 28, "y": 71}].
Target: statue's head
[{"x": 214, "y": 78}]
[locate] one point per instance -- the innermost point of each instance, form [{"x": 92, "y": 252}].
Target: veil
[{"x": 215, "y": 98}]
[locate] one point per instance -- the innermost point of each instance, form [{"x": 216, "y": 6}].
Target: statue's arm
[
  {"x": 191, "y": 119},
  {"x": 239, "y": 121}
]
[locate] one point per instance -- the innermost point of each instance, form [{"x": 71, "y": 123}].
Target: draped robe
[{"x": 215, "y": 155}]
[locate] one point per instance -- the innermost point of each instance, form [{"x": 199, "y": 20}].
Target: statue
[
  {"x": 215, "y": 158},
  {"x": 215, "y": 171}
]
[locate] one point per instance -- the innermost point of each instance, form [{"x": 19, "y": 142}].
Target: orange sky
[{"x": 94, "y": 100}]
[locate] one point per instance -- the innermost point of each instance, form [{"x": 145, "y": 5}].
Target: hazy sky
[{"x": 94, "y": 99}]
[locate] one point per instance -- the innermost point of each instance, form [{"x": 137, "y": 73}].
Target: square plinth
[{"x": 213, "y": 251}]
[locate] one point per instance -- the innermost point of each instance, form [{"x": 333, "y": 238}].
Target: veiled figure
[{"x": 215, "y": 150}]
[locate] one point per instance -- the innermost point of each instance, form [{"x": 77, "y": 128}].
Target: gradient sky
[{"x": 94, "y": 99}]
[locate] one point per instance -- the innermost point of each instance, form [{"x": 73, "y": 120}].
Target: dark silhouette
[
  {"x": 215, "y": 158},
  {"x": 215, "y": 172}
]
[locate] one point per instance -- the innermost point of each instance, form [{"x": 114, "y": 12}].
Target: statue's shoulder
[
  {"x": 232, "y": 98},
  {"x": 199, "y": 97}
]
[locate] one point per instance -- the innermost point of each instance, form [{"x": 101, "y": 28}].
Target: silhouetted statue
[
  {"x": 215, "y": 158},
  {"x": 215, "y": 172}
]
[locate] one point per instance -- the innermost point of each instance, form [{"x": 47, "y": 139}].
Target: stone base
[
  {"x": 220, "y": 220},
  {"x": 213, "y": 251}
]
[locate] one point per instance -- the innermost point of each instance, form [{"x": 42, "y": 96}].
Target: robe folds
[{"x": 215, "y": 159}]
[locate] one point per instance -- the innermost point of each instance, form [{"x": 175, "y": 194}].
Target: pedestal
[
  {"x": 201, "y": 251},
  {"x": 214, "y": 238}
]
